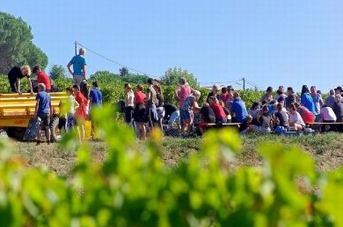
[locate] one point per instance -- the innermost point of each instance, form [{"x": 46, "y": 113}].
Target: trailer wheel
[
  {"x": 16, "y": 133},
  {"x": 57, "y": 129}
]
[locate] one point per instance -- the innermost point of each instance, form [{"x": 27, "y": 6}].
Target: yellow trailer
[{"x": 17, "y": 109}]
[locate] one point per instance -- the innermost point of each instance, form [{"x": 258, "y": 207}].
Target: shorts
[
  {"x": 45, "y": 118},
  {"x": 139, "y": 114},
  {"x": 128, "y": 114},
  {"x": 77, "y": 79},
  {"x": 185, "y": 115}
]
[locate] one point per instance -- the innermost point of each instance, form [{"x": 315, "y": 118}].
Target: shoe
[{"x": 38, "y": 142}]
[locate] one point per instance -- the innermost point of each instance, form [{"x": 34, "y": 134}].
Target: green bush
[{"x": 134, "y": 188}]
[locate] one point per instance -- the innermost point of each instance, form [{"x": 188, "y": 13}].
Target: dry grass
[{"x": 326, "y": 149}]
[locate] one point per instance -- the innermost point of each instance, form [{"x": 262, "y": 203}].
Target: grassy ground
[{"x": 326, "y": 149}]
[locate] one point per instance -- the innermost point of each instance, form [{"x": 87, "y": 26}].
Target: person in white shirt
[
  {"x": 295, "y": 120},
  {"x": 327, "y": 115},
  {"x": 129, "y": 103}
]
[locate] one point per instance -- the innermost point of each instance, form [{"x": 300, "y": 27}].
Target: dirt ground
[{"x": 326, "y": 149}]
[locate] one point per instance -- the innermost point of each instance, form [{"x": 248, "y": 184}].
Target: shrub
[{"x": 134, "y": 188}]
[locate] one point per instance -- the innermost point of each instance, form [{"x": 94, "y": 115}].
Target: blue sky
[{"x": 268, "y": 42}]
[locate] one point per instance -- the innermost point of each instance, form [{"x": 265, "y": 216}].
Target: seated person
[
  {"x": 218, "y": 110},
  {"x": 172, "y": 115},
  {"x": 268, "y": 96},
  {"x": 295, "y": 120},
  {"x": 255, "y": 109},
  {"x": 327, "y": 115},
  {"x": 307, "y": 116},
  {"x": 206, "y": 116},
  {"x": 281, "y": 116},
  {"x": 265, "y": 120},
  {"x": 238, "y": 109},
  {"x": 245, "y": 125}
]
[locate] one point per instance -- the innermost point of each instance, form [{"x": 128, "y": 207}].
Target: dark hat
[
  {"x": 269, "y": 89},
  {"x": 339, "y": 88}
]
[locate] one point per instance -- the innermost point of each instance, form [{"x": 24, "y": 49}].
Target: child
[{"x": 186, "y": 110}]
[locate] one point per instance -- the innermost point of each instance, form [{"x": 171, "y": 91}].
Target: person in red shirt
[
  {"x": 42, "y": 77},
  {"x": 218, "y": 110},
  {"x": 307, "y": 116},
  {"x": 139, "y": 95},
  {"x": 139, "y": 114},
  {"x": 80, "y": 112}
]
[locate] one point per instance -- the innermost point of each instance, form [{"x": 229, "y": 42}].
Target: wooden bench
[{"x": 211, "y": 125}]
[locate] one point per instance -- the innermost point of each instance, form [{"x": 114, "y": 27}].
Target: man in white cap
[{"x": 79, "y": 67}]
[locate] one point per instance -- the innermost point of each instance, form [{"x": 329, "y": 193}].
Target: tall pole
[
  {"x": 75, "y": 48},
  {"x": 243, "y": 84}
]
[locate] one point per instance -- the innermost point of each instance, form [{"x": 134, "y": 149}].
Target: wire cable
[{"x": 115, "y": 62}]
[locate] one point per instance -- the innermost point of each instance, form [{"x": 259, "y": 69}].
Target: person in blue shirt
[
  {"x": 95, "y": 96},
  {"x": 79, "y": 67},
  {"x": 43, "y": 110},
  {"x": 95, "y": 100},
  {"x": 306, "y": 100},
  {"x": 238, "y": 110}
]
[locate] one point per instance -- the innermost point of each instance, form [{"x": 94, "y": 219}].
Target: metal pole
[
  {"x": 243, "y": 84},
  {"x": 75, "y": 48}
]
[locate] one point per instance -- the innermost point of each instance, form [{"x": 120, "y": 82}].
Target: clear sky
[{"x": 268, "y": 42}]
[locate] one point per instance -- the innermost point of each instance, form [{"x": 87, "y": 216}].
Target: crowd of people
[
  {"x": 81, "y": 100},
  {"x": 145, "y": 109},
  {"x": 276, "y": 111}
]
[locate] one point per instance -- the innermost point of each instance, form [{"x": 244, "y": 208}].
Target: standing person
[
  {"x": 238, "y": 110},
  {"x": 317, "y": 100},
  {"x": 129, "y": 103},
  {"x": 95, "y": 96},
  {"x": 183, "y": 91},
  {"x": 80, "y": 113},
  {"x": 70, "y": 118},
  {"x": 151, "y": 102},
  {"x": 79, "y": 67},
  {"x": 95, "y": 100},
  {"x": 186, "y": 111},
  {"x": 43, "y": 110},
  {"x": 306, "y": 100},
  {"x": 330, "y": 100},
  {"x": 139, "y": 114},
  {"x": 42, "y": 77},
  {"x": 16, "y": 74},
  {"x": 160, "y": 102}
]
